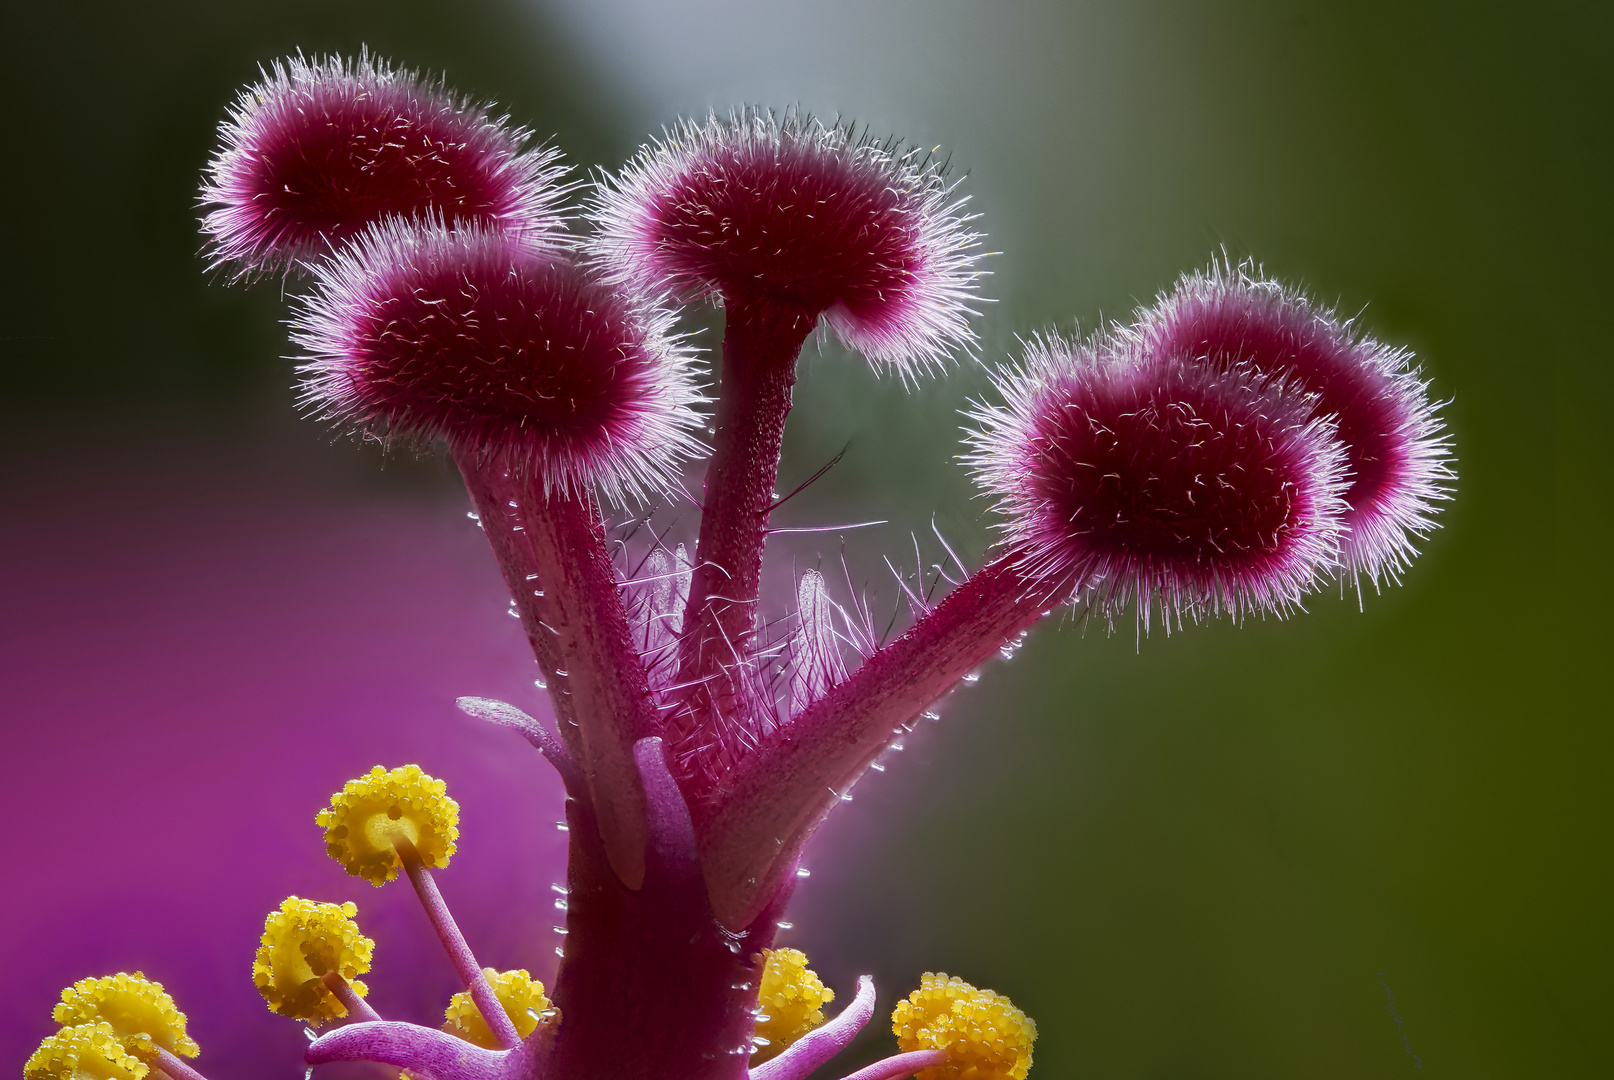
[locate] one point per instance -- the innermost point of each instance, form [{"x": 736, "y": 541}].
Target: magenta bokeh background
[{"x": 207, "y": 629}]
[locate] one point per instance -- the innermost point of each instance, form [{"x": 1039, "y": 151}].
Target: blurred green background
[{"x": 1214, "y": 854}]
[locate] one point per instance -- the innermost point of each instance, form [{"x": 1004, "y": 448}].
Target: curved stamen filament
[
  {"x": 176, "y": 1066},
  {"x": 459, "y": 953},
  {"x": 816, "y": 1047},
  {"x": 357, "y": 1007},
  {"x": 899, "y": 1066},
  {"x": 423, "y": 1051}
]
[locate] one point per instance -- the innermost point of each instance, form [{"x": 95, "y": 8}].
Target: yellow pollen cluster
[
  {"x": 133, "y": 1005},
  {"x": 302, "y": 941},
  {"x": 984, "y": 1035},
  {"x": 370, "y": 815},
  {"x": 519, "y": 993},
  {"x": 791, "y": 1001},
  {"x": 84, "y": 1052}
]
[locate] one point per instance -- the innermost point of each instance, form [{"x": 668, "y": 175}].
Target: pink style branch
[{"x": 1230, "y": 449}]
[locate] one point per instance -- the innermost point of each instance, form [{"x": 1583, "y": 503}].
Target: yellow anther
[
  {"x": 370, "y": 815},
  {"x": 84, "y": 1052},
  {"x": 140, "y": 1046},
  {"x": 521, "y": 996},
  {"x": 791, "y": 1002},
  {"x": 302, "y": 941},
  {"x": 984, "y": 1035},
  {"x": 133, "y": 1005}
]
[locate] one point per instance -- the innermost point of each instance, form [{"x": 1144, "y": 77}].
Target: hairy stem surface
[
  {"x": 603, "y": 672},
  {"x": 761, "y": 341},
  {"x": 551, "y": 547},
  {"x": 753, "y": 830},
  {"x": 651, "y": 985},
  {"x": 495, "y": 494}
]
